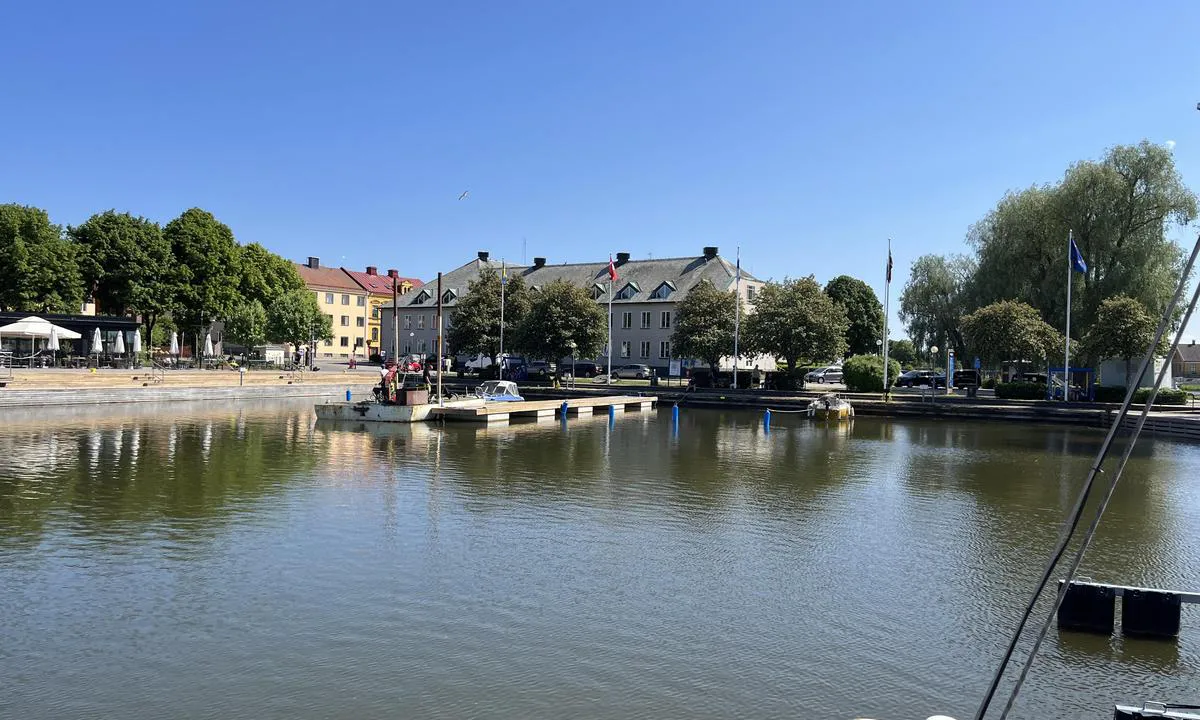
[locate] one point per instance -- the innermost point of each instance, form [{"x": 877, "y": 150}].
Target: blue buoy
[
  {"x": 675, "y": 414},
  {"x": 612, "y": 411},
  {"x": 564, "y": 410},
  {"x": 767, "y": 420},
  {"x": 347, "y": 394}
]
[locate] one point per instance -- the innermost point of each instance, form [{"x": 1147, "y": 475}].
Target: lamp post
[
  {"x": 879, "y": 346},
  {"x": 571, "y": 344},
  {"x": 933, "y": 352}
]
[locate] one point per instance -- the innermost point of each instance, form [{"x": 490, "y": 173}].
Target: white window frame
[
  {"x": 421, "y": 321},
  {"x": 664, "y": 350},
  {"x": 626, "y": 320},
  {"x": 645, "y": 319},
  {"x": 408, "y": 322},
  {"x": 625, "y": 349},
  {"x": 645, "y": 349},
  {"x": 664, "y": 322}
]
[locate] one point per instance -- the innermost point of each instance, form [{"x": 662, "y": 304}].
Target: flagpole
[
  {"x": 503, "y": 282},
  {"x": 887, "y": 296},
  {"x": 1067, "y": 351},
  {"x": 610, "y": 299},
  {"x": 737, "y": 313}
]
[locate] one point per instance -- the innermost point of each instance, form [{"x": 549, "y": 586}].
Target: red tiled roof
[
  {"x": 326, "y": 277},
  {"x": 379, "y": 284}
]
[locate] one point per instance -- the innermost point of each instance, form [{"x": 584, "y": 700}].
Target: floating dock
[{"x": 498, "y": 412}]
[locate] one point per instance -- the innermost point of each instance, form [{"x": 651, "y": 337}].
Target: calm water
[{"x": 191, "y": 561}]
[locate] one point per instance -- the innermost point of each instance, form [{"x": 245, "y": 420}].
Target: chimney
[
  {"x": 372, "y": 270},
  {"x": 539, "y": 262},
  {"x": 483, "y": 255},
  {"x": 314, "y": 262},
  {"x": 622, "y": 258},
  {"x": 393, "y": 273},
  {"x": 710, "y": 252}
]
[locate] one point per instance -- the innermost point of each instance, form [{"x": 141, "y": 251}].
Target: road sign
[{"x": 977, "y": 363}]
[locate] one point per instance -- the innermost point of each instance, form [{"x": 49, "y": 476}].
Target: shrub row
[
  {"x": 1021, "y": 391},
  {"x": 1117, "y": 394}
]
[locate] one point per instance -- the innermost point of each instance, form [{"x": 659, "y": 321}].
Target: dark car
[
  {"x": 966, "y": 378},
  {"x": 540, "y": 369},
  {"x": 921, "y": 378},
  {"x": 583, "y": 369}
]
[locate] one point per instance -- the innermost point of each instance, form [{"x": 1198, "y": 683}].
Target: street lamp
[
  {"x": 571, "y": 344},
  {"x": 933, "y": 352},
  {"x": 879, "y": 344}
]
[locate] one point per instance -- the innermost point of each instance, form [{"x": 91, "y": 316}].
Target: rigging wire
[{"x": 1077, "y": 510}]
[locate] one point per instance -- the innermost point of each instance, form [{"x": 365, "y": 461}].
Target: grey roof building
[{"x": 645, "y": 296}]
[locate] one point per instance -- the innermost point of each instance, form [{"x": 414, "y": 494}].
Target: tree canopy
[
  {"x": 265, "y": 275},
  {"x": 39, "y": 268},
  {"x": 475, "y": 319},
  {"x": 294, "y": 317},
  {"x": 1123, "y": 329},
  {"x": 935, "y": 299},
  {"x": 863, "y": 310},
  {"x": 902, "y": 351},
  {"x": 561, "y": 314},
  {"x": 1010, "y": 330},
  {"x": 795, "y": 320},
  {"x": 207, "y": 272},
  {"x": 704, "y": 325},
  {"x": 246, "y": 323}
]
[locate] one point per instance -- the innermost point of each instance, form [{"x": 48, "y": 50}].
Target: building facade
[
  {"x": 344, "y": 301},
  {"x": 379, "y": 290},
  {"x": 645, "y": 298}
]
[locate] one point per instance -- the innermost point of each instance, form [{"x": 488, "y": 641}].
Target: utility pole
[
  {"x": 439, "y": 341},
  {"x": 395, "y": 318}
]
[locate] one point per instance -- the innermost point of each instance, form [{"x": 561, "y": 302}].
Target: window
[
  {"x": 330, "y": 319},
  {"x": 626, "y": 320},
  {"x": 422, "y": 346},
  {"x": 345, "y": 321},
  {"x": 628, "y": 291},
  {"x": 645, "y": 319},
  {"x": 645, "y": 349},
  {"x": 665, "y": 320},
  {"x": 448, "y": 296},
  {"x": 328, "y": 298},
  {"x": 362, "y": 301},
  {"x": 625, "y": 348},
  {"x": 408, "y": 322},
  {"x": 750, "y": 289},
  {"x": 421, "y": 322},
  {"x": 597, "y": 291},
  {"x": 421, "y": 297},
  {"x": 664, "y": 349},
  {"x": 345, "y": 342},
  {"x": 663, "y": 291},
  {"x": 358, "y": 342},
  {"x": 360, "y": 322},
  {"x": 375, "y": 313},
  {"x": 374, "y": 334},
  {"x": 408, "y": 348},
  {"x": 345, "y": 299}
]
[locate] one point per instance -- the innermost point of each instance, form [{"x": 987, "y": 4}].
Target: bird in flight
[{"x": 464, "y": 195}]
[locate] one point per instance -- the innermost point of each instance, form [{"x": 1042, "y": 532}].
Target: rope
[
  {"x": 1077, "y": 510},
  {"x": 773, "y": 411}
]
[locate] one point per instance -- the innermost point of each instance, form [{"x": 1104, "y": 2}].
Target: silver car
[
  {"x": 636, "y": 372},
  {"x": 831, "y": 374}
]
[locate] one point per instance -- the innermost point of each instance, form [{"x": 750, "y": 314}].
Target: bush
[
  {"x": 989, "y": 382},
  {"x": 784, "y": 380},
  {"x": 1021, "y": 390},
  {"x": 864, "y": 373},
  {"x": 1115, "y": 394}
]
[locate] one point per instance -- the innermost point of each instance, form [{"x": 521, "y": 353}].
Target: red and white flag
[{"x": 612, "y": 269}]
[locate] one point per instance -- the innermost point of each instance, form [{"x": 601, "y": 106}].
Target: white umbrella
[
  {"x": 97, "y": 343},
  {"x": 208, "y": 350},
  {"x": 137, "y": 342},
  {"x": 174, "y": 343},
  {"x": 52, "y": 343},
  {"x": 36, "y": 327},
  {"x": 119, "y": 347}
]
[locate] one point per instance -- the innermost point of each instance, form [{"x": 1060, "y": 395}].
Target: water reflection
[{"x": 628, "y": 569}]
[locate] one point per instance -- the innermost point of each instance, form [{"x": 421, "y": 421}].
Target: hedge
[
  {"x": 1021, "y": 391},
  {"x": 1166, "y": 396},
  {"x": 864, "y": 373}
]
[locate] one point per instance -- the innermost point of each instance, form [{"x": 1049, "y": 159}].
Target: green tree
[
  {"x": 39, "y": 268},
  {"x": 475, "y": 318},
  {"x": 206, "y": 273},
  {"x": 562, "y": 314},
  {"x": 1120, "y": 210},
  {"x": 246, "y": 323},
  {"x": 1010, "y": 330},
  {"x": 295, "y": 317},
  {"x": 266, "y": 276},
  {"x": 1122, "y": 329},
  {"x": 126, "y": 262},
  {"x": 903, "y": 351},
  {"x": 935, "y": 298},
  {"x": 795, "y": 320},
  {"x": 864, "y": 311},
  {"x": 704, "y": 325}
]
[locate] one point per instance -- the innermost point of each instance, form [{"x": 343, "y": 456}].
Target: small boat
[
  {"x": 499, "y": 391},
  {"x": 830, "y": 407}
]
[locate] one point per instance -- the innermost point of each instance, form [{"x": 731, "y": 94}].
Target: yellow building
[
  {"x": 379, "y": 291},
  {"x": 345, "y": 302}
]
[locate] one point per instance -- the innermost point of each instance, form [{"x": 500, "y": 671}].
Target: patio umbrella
[
  {"x": 36, "y": 327},
  {"x": 97, "y": 343},
  {"x": 119, "y": 347},
  {"x": 174, "y": 343},
  {"x": 137, "y": 342},
  {"x": 52, "y": 343},
  {"x": 208, "y": 350}
]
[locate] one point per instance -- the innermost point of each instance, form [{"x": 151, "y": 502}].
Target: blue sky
[{"x": 806, "y": 133}]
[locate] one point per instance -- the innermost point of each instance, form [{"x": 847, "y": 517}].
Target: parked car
[
  {"x": 540, "y": 369},
  {"x": 638, "y": 372},
  {"x": 921, "y": 378},
  {"x": 831, "y": 374},
  {"x": 583, "y": 369}
]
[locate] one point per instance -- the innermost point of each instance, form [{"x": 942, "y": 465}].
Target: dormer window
[
  {"x": 628, "y": 291},
  {"x": 449, "y": 296},
  {"x": 598, "y": 291},
  {"x": 422, "y": 297},
  {"x": 662, "y": 292}
]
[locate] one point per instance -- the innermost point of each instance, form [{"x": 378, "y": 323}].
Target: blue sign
[{"x": 977, "y": 363}]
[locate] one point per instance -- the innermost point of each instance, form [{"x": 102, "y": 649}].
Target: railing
[
  {"x": 158, "y": 372},
  {"x": 6, "y": 363}
]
